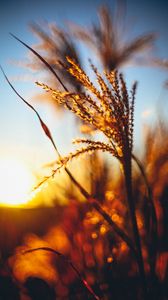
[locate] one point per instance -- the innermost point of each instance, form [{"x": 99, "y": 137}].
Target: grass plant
[{"x": 107, "y": 107}]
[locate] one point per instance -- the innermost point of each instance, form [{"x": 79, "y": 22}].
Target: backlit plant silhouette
[
  {"x": 111, "y": 110},
  {"x": 107, "y": 107}
]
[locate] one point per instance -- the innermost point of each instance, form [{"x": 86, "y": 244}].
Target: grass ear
[{"x": 92, "y": 203}]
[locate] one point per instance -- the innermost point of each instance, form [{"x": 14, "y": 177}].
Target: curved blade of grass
[
  {"x": 43, "y": 125},
  {"x": 42, "y": 59},
  {"x": 69, "y": 262}
]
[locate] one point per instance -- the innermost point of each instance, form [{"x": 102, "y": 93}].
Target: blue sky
[{"x": 20, "y": 133}]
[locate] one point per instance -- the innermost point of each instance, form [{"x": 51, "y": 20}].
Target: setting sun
[{"x": 16, "y": 182}]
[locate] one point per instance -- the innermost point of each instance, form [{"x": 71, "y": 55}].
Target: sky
[{"x": 20, "y": 132}]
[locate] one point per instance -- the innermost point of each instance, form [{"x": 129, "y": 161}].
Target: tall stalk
[
  {"x": 153, "y": 238},
  {"x": 127, "y": 165}
]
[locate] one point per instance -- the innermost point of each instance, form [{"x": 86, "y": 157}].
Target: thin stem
[
  {"x": 70, "y": 263},
  {"x": 153, "y": 239},
  {"x": 131, "y": 204},
  {"x": 43, "y": 61}
]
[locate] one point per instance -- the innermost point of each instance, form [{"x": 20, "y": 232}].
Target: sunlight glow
[{"x": 16, "y": 182}]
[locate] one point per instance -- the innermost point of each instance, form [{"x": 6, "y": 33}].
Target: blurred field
[{"x": 15, "y": 223}]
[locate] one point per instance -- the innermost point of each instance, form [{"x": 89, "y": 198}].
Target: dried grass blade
[
  {"x": 69, "y": 262},
  {"x": 43, "y": 125},
  {"x": 42, "y": 59}
]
